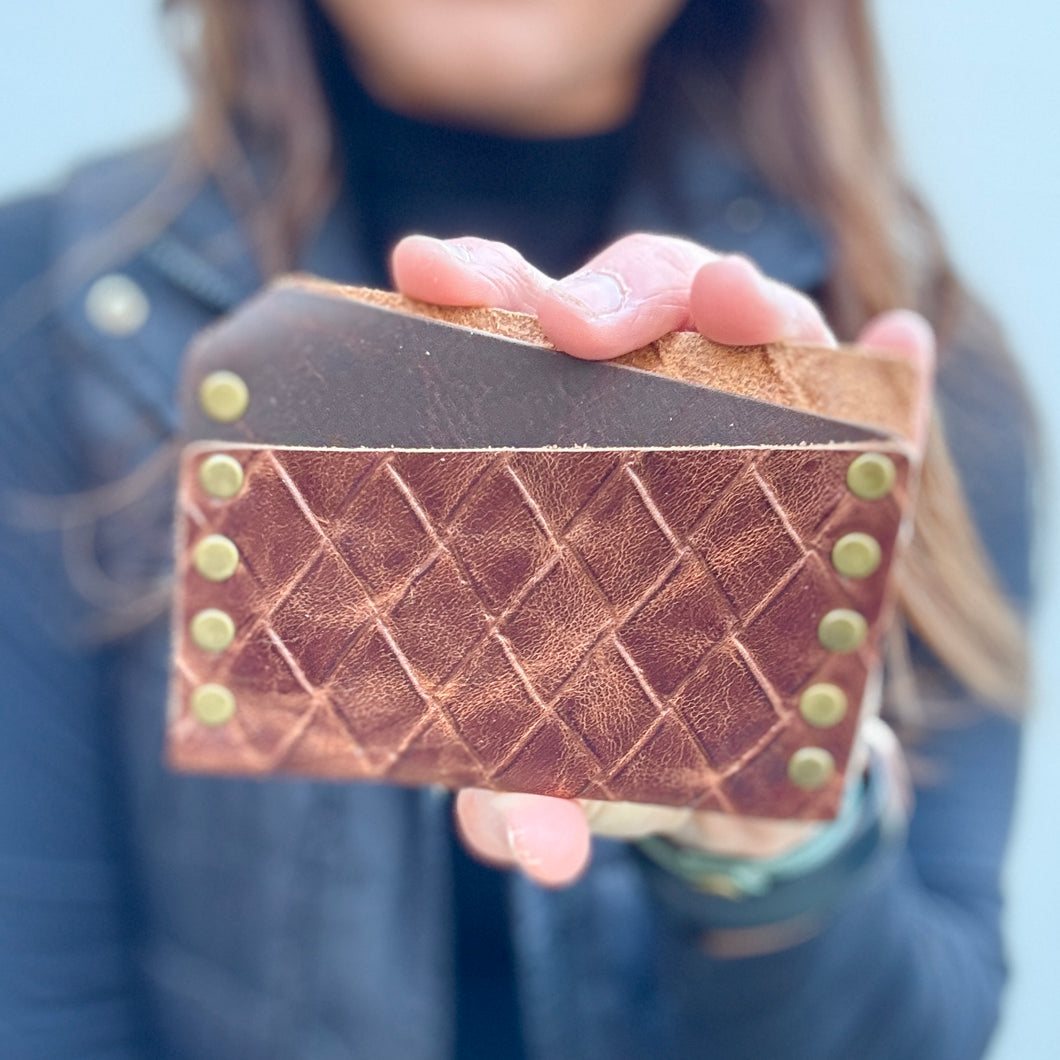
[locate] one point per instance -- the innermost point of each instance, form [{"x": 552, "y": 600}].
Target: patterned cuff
[{"x": 746, "y": 892}]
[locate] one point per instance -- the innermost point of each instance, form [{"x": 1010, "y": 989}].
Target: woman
[{"x": 152, "y": 914}]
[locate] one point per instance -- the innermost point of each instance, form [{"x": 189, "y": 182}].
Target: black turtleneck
[{"x": 550, "y": 198}]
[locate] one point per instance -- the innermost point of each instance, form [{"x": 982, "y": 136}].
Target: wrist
[
  {"x": 726, "y": 892},
  {"x": 735, "y": 877}
]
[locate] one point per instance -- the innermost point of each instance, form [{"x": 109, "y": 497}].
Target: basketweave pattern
[{"x": 590, "y": 623}]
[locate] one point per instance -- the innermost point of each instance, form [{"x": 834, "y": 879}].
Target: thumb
[{"x": 547, "y": 838}]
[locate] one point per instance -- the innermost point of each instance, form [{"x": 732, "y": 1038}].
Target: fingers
[
  {"x": 732, "y": 303},
  {"x": 633, "y": 292},
  {"x": 722, "y": 834},
  {"x": 901, "y": 331},
  {"x": 549, "y": 839},
  {"x": 633, "y": 820},
  {"x": 743, "y": 837},
  {"x": 906, "y": 334},
  {"x": 644, "y": 286},
  {"x": 467, "y": 271},
  {"x": 546, "y": 838},
  {"x": 627, "y": 296}
]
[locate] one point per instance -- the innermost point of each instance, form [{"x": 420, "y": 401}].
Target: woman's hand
[{"x": 630, "y": 294}]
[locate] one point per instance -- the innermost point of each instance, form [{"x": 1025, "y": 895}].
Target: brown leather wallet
[{"x": 419, "y": 545}]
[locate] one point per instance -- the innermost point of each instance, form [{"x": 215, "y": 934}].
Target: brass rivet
[
  {"x": 212, "y": 630},
  {"x": 811, "y": 768},
  {"x": 842, "y": 630},
  {"x": 221, "y": 476},
  {"x": 857, "y": 555},
  {"x": 823, "y": 705},
  {"x": 224, "y": 396},
  {"x": 116, "y": 305},
  {"x": 871, "y": 476},
  {"x": 213, "y": 704},
  {"x": 216, "y": 557}
]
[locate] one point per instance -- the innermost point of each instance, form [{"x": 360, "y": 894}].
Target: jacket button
[
  {"x": 116, "y": 305},
  {"x": 745, "y": 215}
]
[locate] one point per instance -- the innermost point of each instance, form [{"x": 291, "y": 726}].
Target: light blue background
[{"x": 977, "y": 99}]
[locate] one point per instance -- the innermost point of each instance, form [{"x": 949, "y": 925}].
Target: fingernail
[
  {"x": 918, "y": 325},
  {"x": 775, "y": 293},
  {"x": 456, "y": 250},
  {"x": 792, "y": 308},
  {"x": 801, "y": 322},
  {"x": 594, "y": 294},
  {"x": 519, "y": 849},
  {"x": 450, "y": 248}
]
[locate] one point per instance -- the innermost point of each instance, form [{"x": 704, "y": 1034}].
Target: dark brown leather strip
[
  {"x": 852, "y": 383},
  {"x": 332, "y": 371}
]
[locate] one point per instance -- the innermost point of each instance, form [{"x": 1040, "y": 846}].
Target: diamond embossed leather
[{"x": 463, "y": 558}]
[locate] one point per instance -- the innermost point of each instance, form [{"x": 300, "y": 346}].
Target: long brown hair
[{"x": 804, "y": 83}]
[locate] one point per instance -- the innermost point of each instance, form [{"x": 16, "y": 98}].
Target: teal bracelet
[{"x": 737, "y": 878}]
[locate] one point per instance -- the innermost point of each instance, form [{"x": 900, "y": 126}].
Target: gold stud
[
  {"x": 213, "y": 704},
  {"x": 857, "y": 555},
  {"x": 842, "y": 630},
  {"x": 224, "y": 396},
  {"x": 811, "y": 768},
  {"x": 221, "y": 476},
  {"x": 823, "y": 705},
  {"x": 216, "y": 557},
  {"x": 212, "y": 629},
  {"x": 871, "y": 476}
]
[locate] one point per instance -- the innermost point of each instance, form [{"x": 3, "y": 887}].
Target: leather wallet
[{"x": 419, "y": 545}]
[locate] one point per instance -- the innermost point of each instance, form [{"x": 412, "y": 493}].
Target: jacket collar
[{"x": 695, "y": 187}]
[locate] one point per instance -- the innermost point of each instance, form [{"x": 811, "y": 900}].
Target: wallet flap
[{"x": 880, "y": 388}]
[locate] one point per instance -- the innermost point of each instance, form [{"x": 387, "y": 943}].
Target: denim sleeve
[
  {"x": 910, "y": 962},
  {"x": 65, "y": 979}
]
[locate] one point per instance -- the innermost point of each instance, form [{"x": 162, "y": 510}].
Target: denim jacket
[{"x": 145, "y": 913}]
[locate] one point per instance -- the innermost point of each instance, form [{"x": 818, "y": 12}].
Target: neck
[{"x": 585, "y": 110}]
